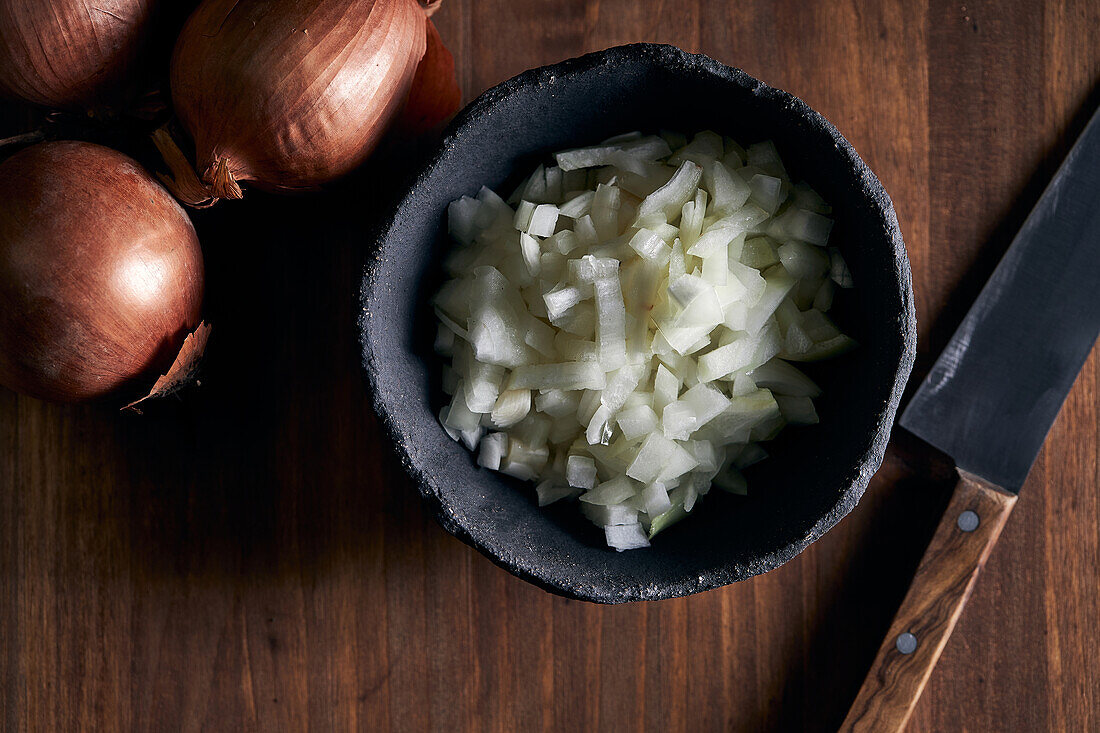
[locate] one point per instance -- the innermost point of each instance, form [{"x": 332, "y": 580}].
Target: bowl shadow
[{"x": 274, "y": 458}]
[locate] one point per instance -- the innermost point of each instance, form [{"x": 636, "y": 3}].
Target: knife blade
[
  {"x": 996, "y": 389},
  {"x": 989, "y": 402}
]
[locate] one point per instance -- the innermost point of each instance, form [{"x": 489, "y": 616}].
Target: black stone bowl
[{"x": 815, "y": 474}]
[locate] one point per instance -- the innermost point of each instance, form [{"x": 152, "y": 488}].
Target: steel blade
[{"x": 994, "y": 392}]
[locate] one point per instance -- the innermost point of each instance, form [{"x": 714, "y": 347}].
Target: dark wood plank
[{"x": 252, "y": 558}]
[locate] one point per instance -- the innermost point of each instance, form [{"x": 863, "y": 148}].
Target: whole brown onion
[
  {"x": 289, "y": 95},
  {"x": 101, "y": 274},
  {"x": 70, "y": 54}
]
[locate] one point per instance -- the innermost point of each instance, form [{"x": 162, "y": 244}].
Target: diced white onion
[
  {"x": 511, "y": 407},
  {"x": 678, "y": 420},
  {"x": 785, "y": 379},
  {"x": 543, "y": 220},
  {"x": 669, "y": 199},
  {"x": 838, "y": 269},
  {"x": 615, "y": 491},
  {"x": 728, "y": 192},
  {"x": 625, "y": 537},
  {"x": 809, "y": 227},
  {"x": 797, "y": 410},
  {"x": 580, "y": 471},
  {"x": 569, "y": 376},
  {"x": 636, "y": 422},
  {"x": 631, "y": 318},
  {"x": 492, "y": 449},
  {"x": 651, "y": 246},
  {"x": 767, "y": 192}
]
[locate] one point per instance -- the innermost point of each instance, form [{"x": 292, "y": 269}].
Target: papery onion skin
[
  {"x": 71, "y": 54},
  {"x": 435, "y": 94},
  {"x": 101, "y": 273},
  {"x": 290, "y": 95}
]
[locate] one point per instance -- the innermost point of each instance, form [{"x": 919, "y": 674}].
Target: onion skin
[
  {"x": 70, "y": 54},
  {"x": 435, "y": 95},
  {"x": 290, "y": 95},
  {"x": 101, "y": 274}
]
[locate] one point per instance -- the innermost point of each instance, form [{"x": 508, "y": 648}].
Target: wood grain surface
[{"x": 250, "y": 557}]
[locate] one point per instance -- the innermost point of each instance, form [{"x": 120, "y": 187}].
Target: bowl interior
[{"x": 815, "y": 474}]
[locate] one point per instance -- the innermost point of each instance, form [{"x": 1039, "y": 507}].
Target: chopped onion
[
  {"x": 808, "y": 227},
  {"x": 651, "y": 246},
  {"x": 637, "y": 421},
  {"x": 767, "y": 192},
  {"x": 705, "y": 146},
  {"x": 610, "y": 323},
  {"x": 569, "y": 376},
  {"x": 669, "y": 199},
  {"x": 578, "y": 206},
  {"x": 797, "y": 410},
  {"x": 728, "y": 192},
  {"x": 785, "y": 379},
  {"x": 649, "y": 148},
  {"x": 630, "y": 314},
  {"x": 803, "y": 261},
  {"x": 580, "y": 471},
  {"x": 493, "y": 447},
  {"x": 511, "y": 407},
  {"x": 625, "y": 537},
  {"x": 609, "y": 493},
  {"x": 678, "y": 420},
  {"x": 838, "y": 269}
]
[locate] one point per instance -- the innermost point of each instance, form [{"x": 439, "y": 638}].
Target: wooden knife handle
[{"x": 935, "y": 600}]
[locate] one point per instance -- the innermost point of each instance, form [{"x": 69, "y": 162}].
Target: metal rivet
[
  {"x": 906, "y": 643},
  {"x": 968, "y": 521}
]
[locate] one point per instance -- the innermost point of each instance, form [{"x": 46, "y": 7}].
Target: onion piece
[
  {"x": 610, "y": 323},
  {"x": 569, "y": 376},
  {"x": 625, "y": 537},
  {"x": 580, "y": 471},
  {"x": 706, "y": 146},
  {"x": 838, "y": 269},
  {"x": 797, "y": 410},
  {"x": 549, "y": 492},
  {"x": 767, "y": 192},
  {"x": 610, "y": 492},
  {"x": 649, "y": 148},
  {"x": 493, "y": 448},
  {"x": 728, "y": 192},
  {"x": 511, "y": 407},
  {"x": 678, "y": 421},
  {"x": 785, "y": 379},
  {"x": 668, "y": 200},
  {"x": 637, "y": 421}
]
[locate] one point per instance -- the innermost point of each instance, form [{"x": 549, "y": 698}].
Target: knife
[{"x": 989, "y": 402}]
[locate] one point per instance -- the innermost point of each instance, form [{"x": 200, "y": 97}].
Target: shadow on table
[{"x": 275, "y": 457}]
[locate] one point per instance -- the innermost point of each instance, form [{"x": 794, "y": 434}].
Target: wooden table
[{"x": 251, "y": 558}]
